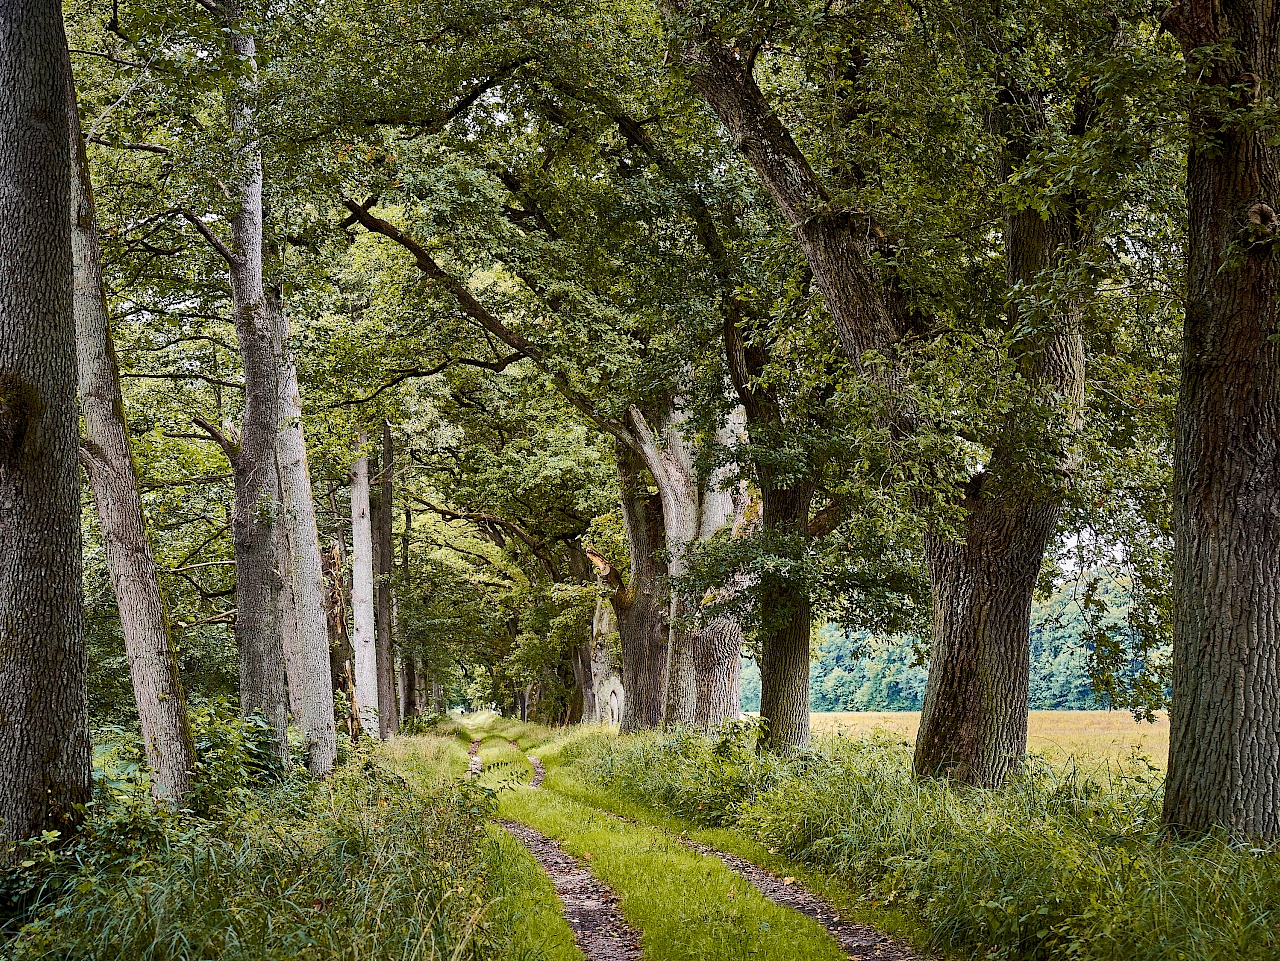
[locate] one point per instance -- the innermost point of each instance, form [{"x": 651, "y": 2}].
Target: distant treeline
[{"x": 862, "y": 672}]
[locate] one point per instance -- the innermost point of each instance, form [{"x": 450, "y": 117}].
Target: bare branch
[{"x": 212, "y": 238}]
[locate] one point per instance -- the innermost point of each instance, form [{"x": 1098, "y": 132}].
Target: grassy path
[{"x": 688, "y": 903}]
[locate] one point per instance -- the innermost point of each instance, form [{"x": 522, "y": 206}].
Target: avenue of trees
[{"x": 363, "y": 359}]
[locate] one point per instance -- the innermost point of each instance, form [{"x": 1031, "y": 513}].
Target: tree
[
  {"x": 364, "y": 639},
  {"x": 1224, "y": 750},
  {"x": 44, "y": 737},
  {"x": 109, "y": 464}
]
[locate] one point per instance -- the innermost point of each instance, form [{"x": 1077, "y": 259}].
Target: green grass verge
[
  {"x": 686, "y": 906},
  {"x": 525, "y": 916}
]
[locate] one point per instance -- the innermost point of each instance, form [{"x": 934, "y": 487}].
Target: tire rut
[
  {"x": 860, "y": 942},
  {"x": 589, "y": 907}
]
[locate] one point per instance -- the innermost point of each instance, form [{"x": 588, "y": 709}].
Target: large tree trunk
[
  {"x": 1224, "y": 748},
  {"x": 388, "y": 720},
  {"x": 694, "y": 509},
  {"x": 973, "y": 725},
  {"x": 113, "y": 478},
  {"x": 305, "y": 634},
  {"x": 786, "y": 625},
  {"x": 44, "y": 712},
  {"x": 253, "y": 461},
  {"x": 364, "y": 639},
  {"x": 640, "y": 606}
]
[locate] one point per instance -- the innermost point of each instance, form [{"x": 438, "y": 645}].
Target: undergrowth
[
  {"x": 367, "y": 864},
  {"x": 1055, "y": 865}
]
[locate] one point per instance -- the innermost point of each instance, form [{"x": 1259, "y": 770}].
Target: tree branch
[
  {"x": 231, "y": 259},
  {"x": 473, "y": 309}
]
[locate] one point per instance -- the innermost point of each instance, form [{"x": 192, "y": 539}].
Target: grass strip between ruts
[
  {"x": 525, "y": 914},
  {"x": 687, "y": 907}
]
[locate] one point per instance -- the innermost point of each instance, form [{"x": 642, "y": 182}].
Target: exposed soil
[
  {"x": 860, "y": 942},
  {"x": 590, "y": 908},
  {"x": 474, "y": 765},
  {"x": 539, "y": 772}
]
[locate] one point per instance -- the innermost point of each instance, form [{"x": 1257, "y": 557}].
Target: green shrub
[{"x": 1054, "y": 865}]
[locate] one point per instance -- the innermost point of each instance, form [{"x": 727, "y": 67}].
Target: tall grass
[
  {"x": 1056, "y": 865},
  {"x": 366, "y": 865}
]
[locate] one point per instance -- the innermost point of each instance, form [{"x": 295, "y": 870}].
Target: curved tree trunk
[
  {"x": 973, "y": 725},
  {"x": 1224, "y": 747},
  {"x": 364, "y": 641},
  {"x": 44, "y": 723},
  {"x": 786, "y": 618},
  {"x": 640, "y": 606},
  {"x": 305, "y": 630},
  {"x": 113, "y": 478}
]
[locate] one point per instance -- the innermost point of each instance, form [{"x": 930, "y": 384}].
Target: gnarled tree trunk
[
  {"x": 1224, "y": 747},
  {"x": 973, "y": 725},
  {"x": 44, "y": 723},
  {"x": 113, "y": 478}
]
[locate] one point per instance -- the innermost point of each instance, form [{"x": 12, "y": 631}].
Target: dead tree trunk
[
  {"x": 44, "y": 731},
  {"x": 1224, "y": 748},
  {"x": 108, "y": 462}
]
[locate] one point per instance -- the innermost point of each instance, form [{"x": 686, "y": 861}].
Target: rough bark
[
  {"x": 1224, "y": 748},
  {"x": 388, "y": 719},
  {"x": 640, "y": 605},
  {"x": 409, "y": 687},
  {"x": 44, "y": 737},
  {"x": 302, "y": 609},
  {"x": 263, "y": 687},
  {"x": 363, "y": 631},
  {"x": 834, "y": 240},
  {"x": 785, "y": 627},
  {"x": 702, "y": 660},
  {"x": 973, "y": 724},
  {"x": 108, "y": 461}
]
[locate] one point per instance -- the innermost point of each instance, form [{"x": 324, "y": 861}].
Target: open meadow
[{"x": 1090, "y": 737}]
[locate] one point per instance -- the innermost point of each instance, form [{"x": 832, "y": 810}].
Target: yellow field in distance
[{"x": 1091, "y": 737}]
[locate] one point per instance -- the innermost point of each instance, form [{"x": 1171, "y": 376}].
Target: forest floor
[{"x": 633, "y": 882}]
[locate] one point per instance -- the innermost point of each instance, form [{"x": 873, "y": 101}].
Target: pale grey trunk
[
  {"x": 364, "y": 640},
  {"x": 388, "y": 717},
  {"x": 108, "y": 462},
  {"x": 702, "y": 661},
  {"x": 44, "y": 724},
  {"x": 305, "y": 631}
]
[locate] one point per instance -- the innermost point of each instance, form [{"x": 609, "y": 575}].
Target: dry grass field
[{"x": 1091, "y": 738}]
